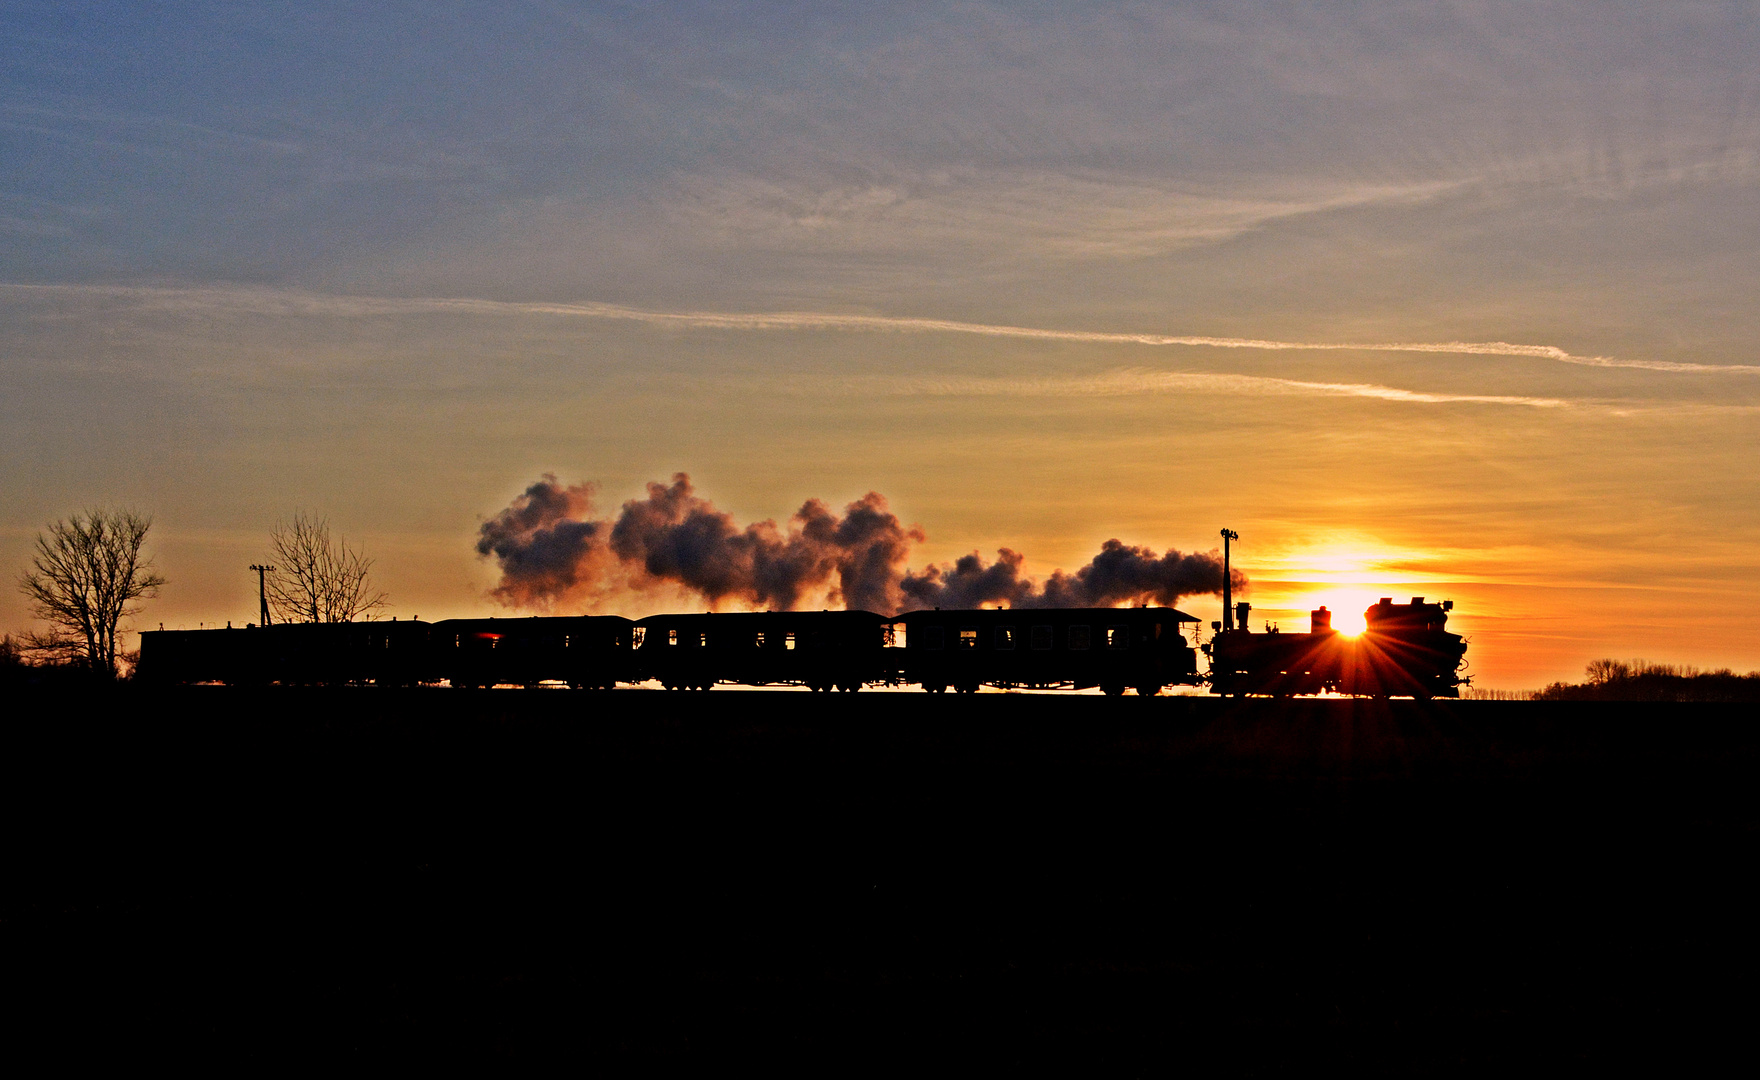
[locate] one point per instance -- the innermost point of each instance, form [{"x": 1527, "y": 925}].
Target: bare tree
[
  {"x": 83, "y": 582},
  {"x": 1606, "y": 671},
  {"x": 318, "y": 579}
]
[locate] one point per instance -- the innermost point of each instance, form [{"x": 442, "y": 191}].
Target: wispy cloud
[
  {"x": 1043, "y": 213},
  {"x": 289, "y": 302},
  {"x": 153, "y": 132},
  {"x": 1130, "y": 382}
]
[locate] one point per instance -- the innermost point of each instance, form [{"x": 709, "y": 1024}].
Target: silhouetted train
[
  {"x": 1404, "y": 650},
  {"x": 1075, "y": 648}
]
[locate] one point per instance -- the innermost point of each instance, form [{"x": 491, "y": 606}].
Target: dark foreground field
[{"x": 837, "y": 883}]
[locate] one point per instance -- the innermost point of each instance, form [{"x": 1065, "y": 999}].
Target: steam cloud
[
  {"x": 1120, "y": 573},
  {"x": 553, "y": 552},
  {"x": 550, "y": 550}
]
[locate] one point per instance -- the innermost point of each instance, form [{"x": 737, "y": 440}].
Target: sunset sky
[{"x": 1455, "y": 300}]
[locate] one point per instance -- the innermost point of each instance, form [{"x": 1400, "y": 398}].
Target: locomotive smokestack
[{"x": 1227, "y": 590}]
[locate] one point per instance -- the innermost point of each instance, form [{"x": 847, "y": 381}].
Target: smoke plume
[
  {"x": 552, "y": 552},
  {"x": 1121, "y": 573}
]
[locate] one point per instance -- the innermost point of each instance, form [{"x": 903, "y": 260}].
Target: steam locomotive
[{"x": 1404, "y": 650}]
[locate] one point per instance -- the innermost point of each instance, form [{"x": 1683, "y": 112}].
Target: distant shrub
[{"x": 1641, "y": 680}]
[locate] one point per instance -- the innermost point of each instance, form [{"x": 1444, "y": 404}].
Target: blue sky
[{"x": 392, "y": 262}]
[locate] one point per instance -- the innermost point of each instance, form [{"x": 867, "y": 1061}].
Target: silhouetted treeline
[
  {"x": 1640, "y": 680},
  {"x": 40, "y": 660}
]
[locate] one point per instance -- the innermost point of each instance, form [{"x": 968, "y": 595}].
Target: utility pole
[
  {"x": 262, "y": 593},
  {"x": 1227, "y": 583}
]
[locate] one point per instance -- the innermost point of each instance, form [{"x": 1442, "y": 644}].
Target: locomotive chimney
[
  {"x": 1228, "y": 584},
  {"x": 1240, "y": 613},
  {"x": 1320, "y": 620}
]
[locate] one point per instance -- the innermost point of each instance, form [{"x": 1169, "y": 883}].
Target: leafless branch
[
  {"x": 318, "y": 579},
  {"x": 84, "y": 580}
]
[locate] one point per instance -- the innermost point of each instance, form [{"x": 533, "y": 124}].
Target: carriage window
[
  {"x": 1078, "y": 637},
  {"x": 932, "y": 637},
  {"x": 1042, "y": 639},
  {"x": 1118, "y": 637},
  {"x": 968, "y": 637},
  {"x": 702, "y": 639},
  {"x": 760, "y": 640},
  {"x": 672, "y": 637},
  {"x": 640, "y": 635},
  {"x": 788, "y": 640},
  {"x": 1005, "y": 637}
]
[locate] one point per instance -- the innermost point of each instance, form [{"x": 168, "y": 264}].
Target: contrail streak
[
  {"x": 1128, "y": 382},
  {"x": 289, "y": 302}
]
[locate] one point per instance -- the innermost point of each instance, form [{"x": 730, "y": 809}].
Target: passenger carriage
[{"x": 1042, "y": 648}]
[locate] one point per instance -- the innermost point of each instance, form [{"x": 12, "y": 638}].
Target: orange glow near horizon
[
  {"x": 1347, "y": 620},
  {"x": 1346, "y": 573}
]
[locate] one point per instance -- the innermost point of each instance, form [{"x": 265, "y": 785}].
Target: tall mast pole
[
  {"x": 262, "y": 594},
  {"x": 1227, "y": 581}
]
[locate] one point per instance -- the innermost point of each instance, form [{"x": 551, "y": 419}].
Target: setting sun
[{"x": 1347, "y": 615}]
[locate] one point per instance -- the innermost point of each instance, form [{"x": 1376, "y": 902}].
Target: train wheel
[
  {"x": 1149, "y": 690},
  {"x": 1113, "y": 689}
]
